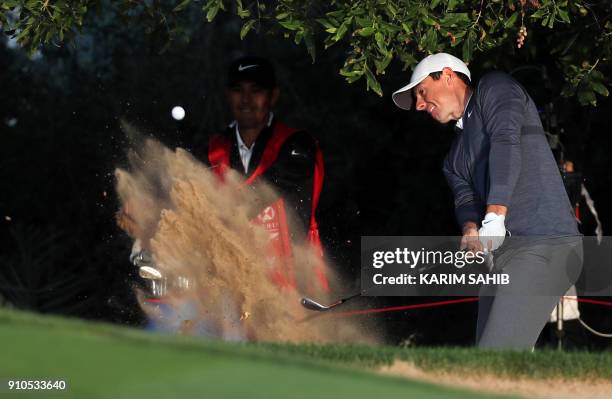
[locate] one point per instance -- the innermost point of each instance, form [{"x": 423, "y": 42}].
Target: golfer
[{"x": 505, "y": 181}]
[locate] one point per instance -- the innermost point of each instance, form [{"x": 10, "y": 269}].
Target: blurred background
[{"x": 60, "y": 141}]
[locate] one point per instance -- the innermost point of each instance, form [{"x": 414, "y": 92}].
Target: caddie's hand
[
  {"x": 470, "y": 241},
  {"x": 493, "y": 231}
]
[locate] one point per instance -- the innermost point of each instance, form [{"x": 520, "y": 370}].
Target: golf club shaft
[
  {"x": 341, "y": 301},
  {"x": 313, "y": 305}
]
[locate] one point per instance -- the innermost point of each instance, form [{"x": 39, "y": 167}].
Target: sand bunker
[{"x": 525, "y": 387}]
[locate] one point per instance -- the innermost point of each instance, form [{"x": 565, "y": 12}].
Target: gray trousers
[{"x": 541, "y": 271}]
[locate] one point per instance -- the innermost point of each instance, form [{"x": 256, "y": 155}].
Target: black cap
[{"x": 252, "y": 69}]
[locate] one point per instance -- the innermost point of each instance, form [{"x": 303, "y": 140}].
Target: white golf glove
[{"x": 492, "y": 232}]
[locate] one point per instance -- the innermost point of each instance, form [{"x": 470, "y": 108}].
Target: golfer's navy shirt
[{"x": 502, "y": 157}]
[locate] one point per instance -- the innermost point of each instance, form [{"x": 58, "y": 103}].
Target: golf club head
[
  {"x": 149, "y": 273},
  {"x": 313, "y": 305}
]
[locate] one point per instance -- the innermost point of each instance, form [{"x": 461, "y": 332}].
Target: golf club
[{"x": 316, "y": 306}]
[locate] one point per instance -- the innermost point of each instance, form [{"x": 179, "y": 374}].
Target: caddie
[{"x": 261, "y": 148}]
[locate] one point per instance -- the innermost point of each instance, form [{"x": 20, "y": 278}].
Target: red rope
[
  {"x": 423, "y": 306},
  {"x": 444, "y": 303},
  {"x": 407, "y": 307},
  {"x": 592, "y": 301}
]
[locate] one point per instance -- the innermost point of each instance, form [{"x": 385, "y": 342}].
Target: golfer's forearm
[{"x": 504, "y": 169}]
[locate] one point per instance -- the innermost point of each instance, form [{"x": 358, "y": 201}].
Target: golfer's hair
[{"x": 462, "y": 76}]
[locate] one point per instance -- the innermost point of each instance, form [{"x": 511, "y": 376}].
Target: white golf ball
[{"x": 178, "y": 113}]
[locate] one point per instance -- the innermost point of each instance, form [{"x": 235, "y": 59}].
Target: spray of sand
[{"x": 200, "y": 228}]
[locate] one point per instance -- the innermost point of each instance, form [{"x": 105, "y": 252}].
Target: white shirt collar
[
  {"x": 246, "y": 152},
  {"x": 459, "y": 123}
]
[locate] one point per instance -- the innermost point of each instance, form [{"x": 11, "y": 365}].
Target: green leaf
[
  {"x": 310, "y": 44},
  {"x": 353, "y": 79},
  {"x": 372, "y": 83},
  {"x": 429, "y": 21},
  {"x": 352, "y": 75},
  {"x": 511, "y": 21},
  {"x": 181, "y": 6},
  {"x": 600, "y": 88},
  {"x": 551, "y": 20},
  {"x": 587, "y": 97},
  {"x": 408, "y": 59},
  {"x": 382, "y": 64},
  {"x": 430, "y": 41},
  {"x": 459, "y": 35},
  {"x": 365, "y": 32},
  {"x": 48, "y": 36},
  {"x": 9, "y": 4},
  {"x": 244, "y": 13},
  {"x": 363, "y": 22},
  {"x": 564, "y": 15},
  {"x": 291, "y": 25},
  {"x": 246, "y": 28},
  {"x": 31, "y": 5},
  {"x": 342, "y": 30},
  {"x": 468, "y": 47},
  {"x": 22, "y": 37},
  {"x": 540, "y": 13},
  {"x": 212, "y": 13},
  {"x": 347, "y": 73},
  {"x": 240, "y": 10},
  {"x": 380, "y": 41},
  {"x": 434, "y": 4},
  {"x": 339, "y": 14},
  {"x": 283, "y": 15},
  {"x": 390, "y": 29},
  {"x": 451, "y": 5},
  {"x": 454, "y": 19},
  {"x": 326, "y": 23}
]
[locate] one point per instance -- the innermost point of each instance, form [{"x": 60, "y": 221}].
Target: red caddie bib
[{"x": 274, "y": 218}]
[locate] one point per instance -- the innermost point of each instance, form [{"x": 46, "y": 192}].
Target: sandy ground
[{"x": 524, "y": 387}]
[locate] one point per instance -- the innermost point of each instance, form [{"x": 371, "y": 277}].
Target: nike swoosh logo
[
  {"x": 469, "y": 114},
  {"x": 242, "y": 68},
  {"x": 294, "y": 153}
]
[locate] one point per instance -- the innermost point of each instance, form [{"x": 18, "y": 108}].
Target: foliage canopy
[{"x": 576, "y": 34}]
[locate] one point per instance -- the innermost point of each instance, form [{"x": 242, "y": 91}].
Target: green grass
[
  {"x": 105, "y": 361},
  {"x": 539, "y": 364}
]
